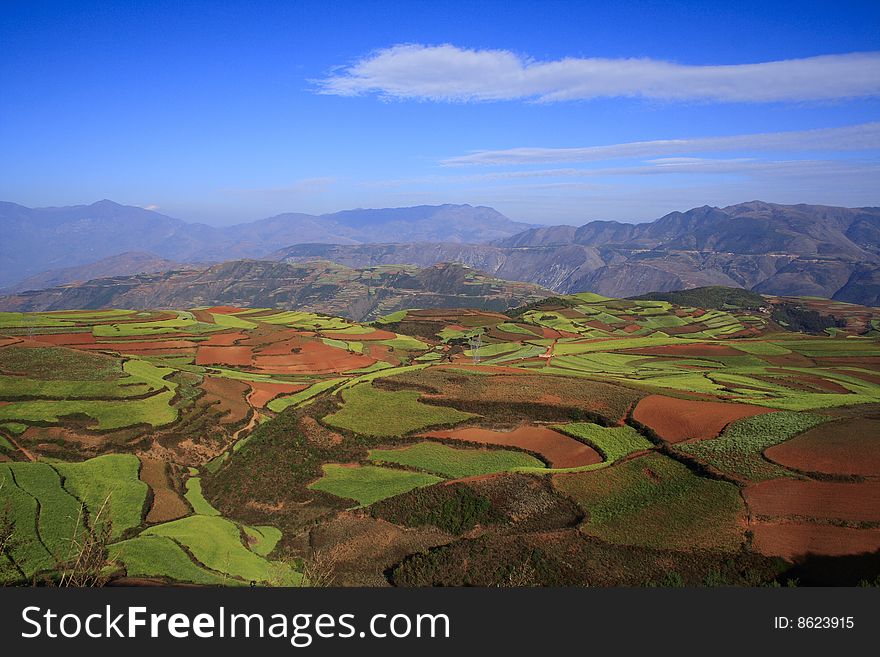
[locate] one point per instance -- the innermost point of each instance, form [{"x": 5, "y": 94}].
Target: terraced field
[{"x": 224, "y": 446}]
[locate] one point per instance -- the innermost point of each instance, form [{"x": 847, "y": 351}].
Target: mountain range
[
  {"x": 36, "y": 240},
  {"x": 805, "y": 250}
]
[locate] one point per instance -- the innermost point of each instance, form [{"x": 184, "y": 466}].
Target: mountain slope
[{"x": 316, "y": 286}]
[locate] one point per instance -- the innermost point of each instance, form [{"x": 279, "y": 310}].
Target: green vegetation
[
  {"x": 286, "y": 401},
  {"x": 612, "y": 442},
  {"x": 716, "y": 297},
  {"x": 60, "y": 518},
  {"x": 216, "y": 543},
  {"x": 108, "y": 482},
  {"x": 373, "y": 412},
  {"x": 738, "y": 450},
  {"x": 654, "y": 501},
  {"x": 802, "y": 320},
  {"x": 158, "y": 556},
  {"x": 263, "y": 539},
  {"x": 196, "y": 499},
  {"x": 367, "y": 483},
  {"x": 59, "y": 363},
  {"x": 453, "y": 509},
  {"x": 454, "y": 462}
]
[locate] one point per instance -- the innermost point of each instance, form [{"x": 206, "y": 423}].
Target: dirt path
[
  {"x": 27, "y": 453},
  {"x": 248, "y": 427}
]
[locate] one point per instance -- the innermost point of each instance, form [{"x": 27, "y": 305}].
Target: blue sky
[{"x": 224, "y": 112}]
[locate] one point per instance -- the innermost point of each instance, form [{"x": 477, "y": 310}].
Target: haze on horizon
[{"x": 551, "y": 113}]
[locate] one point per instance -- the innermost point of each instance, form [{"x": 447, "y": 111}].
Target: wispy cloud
[
  {"x": 448, "y": 73},
  {"x": 865, "y": 136}
]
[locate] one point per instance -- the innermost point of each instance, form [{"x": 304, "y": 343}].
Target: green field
[
  {"x": 217, "y": 544},
  {"x": 454, "y": 462},
  {"x": 158, "y": 556},
  {"x": 654, "y": 501},
  {"x": 195, "y": 498},
  {"x": 373, "y": 412},
  {"x": 738, "y": 450},
  {"x": 366, "y": 484},
  {"x": 108, "y": 485}
]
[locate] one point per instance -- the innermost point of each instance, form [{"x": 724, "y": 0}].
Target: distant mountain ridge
[
  {"x": 36, "y": 240},
  {"x": 323, "y": 287},
  {"x": 805, "y": 250},
  {"x": 789, "y": 250}
]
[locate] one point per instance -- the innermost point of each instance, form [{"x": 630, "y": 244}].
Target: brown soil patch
[
  {"x": 224, "y": 310},
  {"x": 360, "y": 337},
  {"x": 262, "y": 393},
  {"x": 675, "y": 419},
  {"x": 864, "y": 376},
  {"x": 825, "y": 500},
  {"x": 559, "y": 450},
  {"x": 793, "y": 359},
  {"x": 382, "y": 352},
  {"x": 65, "y": 339},
  {"x": 141, "y": 346},
  {"x": 229, "y": 397},
  {"x": 224, "y": 339},
  {"x": 167, "y": 503},
  {"x": 847, "y": 447},
  {"x": 234, "y": 356},
  {"x": 550, "y": 334},
  {"x": 699, "y": 349},
  {"x": 313, "y": 357},
  {"x": 792, "y": 540},
  {"x": 872, "y": 362}
]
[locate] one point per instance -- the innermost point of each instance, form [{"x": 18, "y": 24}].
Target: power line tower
[{"x": 475, "y": 343}]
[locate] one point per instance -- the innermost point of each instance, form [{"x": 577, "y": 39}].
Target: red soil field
[
  {"x": 224, "y": 310},
  {"x": 699, "y": 349},
  {"x": 229, "y": 397},
  {"x": 864, "y": 376},
  {"x": 789, "y": 360},
  {"x": 675, "y": 420},
  {"x": 315, "y": 357},
  {"x": 240, "y": 356},
  {"x": 224, "y": 339},
  {"x": 7, "y": 341},
  {"x": 550, "y": 334},
  {"x": 383, "y": 352},
  {"x": 849, "y": 446},
  {"x": 558, "y": 450},
  {"x": 360, "y": 337},
  {"x": 167, "y": 504},
  {"x": 66, "y": 339},
  {"x": 791, "y": 540},
  {"x": 815, "y": 499},
  {"x": 143, "y": 347},
  {"x": 262, "y": 393}
]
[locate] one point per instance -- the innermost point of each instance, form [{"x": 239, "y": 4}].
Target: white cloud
[
  {"x": 152, "y": 206},
  {"x": 865, "y": 136},
  {"x": 452, "y": 74}
]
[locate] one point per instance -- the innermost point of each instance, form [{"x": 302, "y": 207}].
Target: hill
[{"x": 319, "y": 286}]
